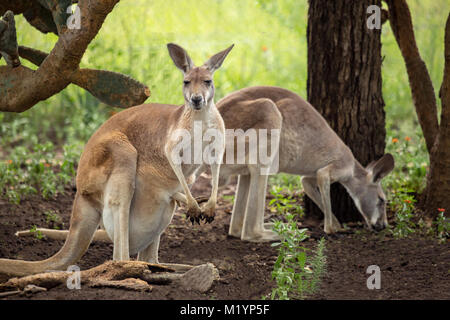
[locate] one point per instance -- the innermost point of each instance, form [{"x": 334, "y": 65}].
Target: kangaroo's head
[
  {"x": 369, "y": 196},
  {"x": 198, "y": 87}
]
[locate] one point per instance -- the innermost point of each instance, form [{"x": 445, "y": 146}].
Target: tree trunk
[
  {"x": 344, "y": 85},
  {"x": 438, "y": 186},
  {"x": 437, "y": 136}
]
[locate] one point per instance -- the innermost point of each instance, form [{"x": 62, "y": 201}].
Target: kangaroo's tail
[{"x": 84, "y": 222}]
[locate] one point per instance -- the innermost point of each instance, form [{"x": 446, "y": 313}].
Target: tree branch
[
  {"x": 112, "y": 88},
  {"x": 419, "y": 79},
  {"x": 21, "y": 88}
]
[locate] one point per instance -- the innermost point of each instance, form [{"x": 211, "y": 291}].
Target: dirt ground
[{"x": 410, "y": 269}]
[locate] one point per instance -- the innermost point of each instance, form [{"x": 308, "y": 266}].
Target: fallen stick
[{"x": 100, "y": 235}]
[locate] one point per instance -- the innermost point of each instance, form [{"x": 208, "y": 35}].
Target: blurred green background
[{"x": 271, "y": 49}]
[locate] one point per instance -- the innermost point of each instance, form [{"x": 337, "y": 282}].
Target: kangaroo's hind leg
[
  {"x": 240, "y": 204},
  {"x": 150, "y": 253},
  {"x": 118, "y": 195},
  {"x": 253, "y": 227}
]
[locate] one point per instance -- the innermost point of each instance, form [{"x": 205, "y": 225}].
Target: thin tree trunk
[
  {"x": 419, "y": 79},
  {"x": 437, "y": 136},
  {"x": 344, "y": 84},
  {"x": 438, "y": 186}
]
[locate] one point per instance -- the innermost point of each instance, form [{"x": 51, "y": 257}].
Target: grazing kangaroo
[
  {"x": 310, "y": 148},
  {"x": 127, "y": 173}
]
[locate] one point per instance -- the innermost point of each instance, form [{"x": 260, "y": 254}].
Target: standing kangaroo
[
  {"x": 308, "y": 147},
  {"x": 127, "y": 173}
]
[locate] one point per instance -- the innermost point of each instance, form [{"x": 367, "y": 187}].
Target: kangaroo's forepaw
[
  {"x": 194, "y": 214},
  {"x": 209, "y": 212}
]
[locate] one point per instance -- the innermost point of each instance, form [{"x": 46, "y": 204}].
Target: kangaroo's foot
[
  {"x": 209, "y": 211},
  {"x": 333, "y": 227},
  {"x": 264, "y": 235}
]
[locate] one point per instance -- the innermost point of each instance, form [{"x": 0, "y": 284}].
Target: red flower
[
  {"x": 441, "y": 209},
  {"x": 394, "y": 140}
]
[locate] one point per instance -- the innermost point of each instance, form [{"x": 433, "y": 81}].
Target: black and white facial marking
[
  {"x": 371, "y": 200},
  {"x": 198, "y": 85}
]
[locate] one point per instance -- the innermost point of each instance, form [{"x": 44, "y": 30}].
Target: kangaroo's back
[{"x": 307, "y": 141}]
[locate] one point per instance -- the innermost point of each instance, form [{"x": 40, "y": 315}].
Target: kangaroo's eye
[
  {"x": 186, "y": 82},
  {"x": 381, "y": 200},
  {"x": 208, "y": 82}
]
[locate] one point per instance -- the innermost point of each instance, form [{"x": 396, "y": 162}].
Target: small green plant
[
  {"x": 402, "y": 203},
  {"x": 53, "y": 219},
  {"x": 296, "y": 273},
  {"x": 404, "y": 225},
  {"x": 228, "y": 198},
  {"x": 282, "y": 203},
  {"x": 442, "y": 225},
  {"x": 37, "y": 233}
]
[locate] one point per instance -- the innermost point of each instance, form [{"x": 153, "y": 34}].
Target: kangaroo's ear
[
  {"x": 382, "y": 167},
  {"x": 180, "y": 57},
  {"x": 216, "y": 60}
]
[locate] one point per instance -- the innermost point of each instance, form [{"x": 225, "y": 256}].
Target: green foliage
[
  {"x": 283, "y": 203},
  {"x": 411, "y": 163},
  {"x": 404, "y": 225},
  {"x": 37, "y": 233},
  {"x": 429, "y": 19},
  {"x": 228, "y": 198},
  {"x": 402, "y": 204},
  {"x": 54, "y": 219},
  {"x": 296, "y": 273},
  {"x": 36, "y": 170},
  {"x": 442, "y": 225},
  {"x": 291, "y": 183}
]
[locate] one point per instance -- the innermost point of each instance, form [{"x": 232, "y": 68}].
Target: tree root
[{"x": 128, "y": 275}]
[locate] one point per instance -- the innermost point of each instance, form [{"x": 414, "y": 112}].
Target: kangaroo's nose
[
  {"x": 196, "y": 101},
  {"x": 379, "y": 226}
]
